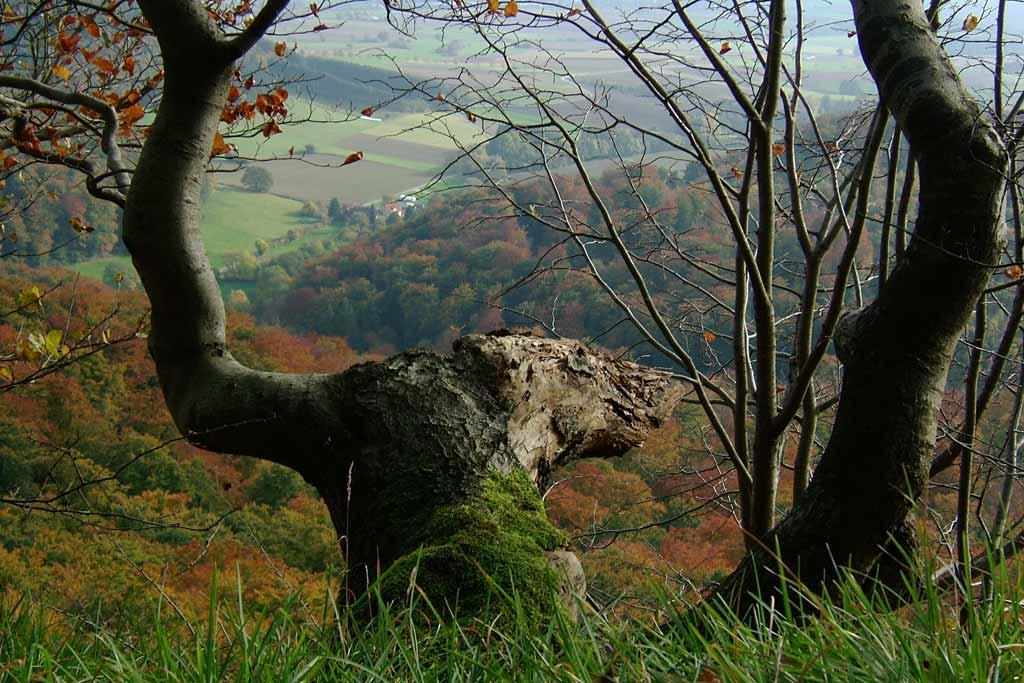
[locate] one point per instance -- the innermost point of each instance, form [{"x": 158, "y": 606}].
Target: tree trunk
[
  {"x": 429, "y": 464},
  {"x": 895, "y": 352}
]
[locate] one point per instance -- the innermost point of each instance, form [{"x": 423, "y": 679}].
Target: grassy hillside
[
  {"x": 852, "y": 641},
  {"x": 233, "y": 219}
]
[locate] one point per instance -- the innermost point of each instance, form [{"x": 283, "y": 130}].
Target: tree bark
[
  {"x": 895, "y": 352},
  {"x": 428, "y": 464}
]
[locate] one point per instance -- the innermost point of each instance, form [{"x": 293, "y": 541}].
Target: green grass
[
  {"x": 232, "y": 221},
  {"x": 850, "y": 641},
  {"x": 95, "y": 268}
]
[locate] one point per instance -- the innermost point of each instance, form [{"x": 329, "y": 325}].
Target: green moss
[{"x": 481, "y": 552}]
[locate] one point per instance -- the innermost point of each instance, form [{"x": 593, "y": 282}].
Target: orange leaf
[
  {"x": 1014, "y": 272},
  {"x": 778, "y": 149},
  {"x": 352, "y": 158},
  {"x": 367, "y": 112},
  {"x": 68, "y": 43},
  {"x": 574, "y": 11},
  {"x": 492, "y": 6},
  {"x": 321, "y": 27},
  {"x": 279, "y": 49},
  {"x": 970, "y": 23},
  {"x": 233, "y": 93},
  {"x": 471, "y": 116},
  {"x": 710, "y": 336},
  {"x": 511, "y": 8},
  {"x": 62, "y": 72},
  {"x": 9, "y": 163},
  {"x": 131, "y": 114},
  {"x": 129, "y": 65},
  {"x": 725, "y": 48},
  {"x": 105, "y": 65},
  {"x": 314, "y": 9},
  {"x": 219, "y": 146},
  {"x": 271, "y": 128}
]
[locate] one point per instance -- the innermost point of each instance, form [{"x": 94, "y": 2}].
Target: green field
[
  {"x": 232, "y": 222},
  {"x": 402, "y": 151},
  {"x": 234, "y": 219}
]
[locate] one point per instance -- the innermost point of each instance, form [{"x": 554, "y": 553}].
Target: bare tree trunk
[
  {"x": 428, "y": 464},
  {"x": 896, "y": 352}
]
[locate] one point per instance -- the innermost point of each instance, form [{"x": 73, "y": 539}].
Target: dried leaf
[
  {"x": 708, "y": 676},
  {"x": 352, "y": 158},
  {"x": 219, "y": 146},
  {"x": 726, "y": 47},
  {"x": 1014, "y": 272},
  {"x": 778, "y": 149},
  {"x": 511, "y": 8},
  {"x": 710, "y": 336},
  {"x": 280, "y": 49},
  {"x": 367, "y": 112},
  {"x": 971, "y": 23},
  {"x": 62, "y": 72}
]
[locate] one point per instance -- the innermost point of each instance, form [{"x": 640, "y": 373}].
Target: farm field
[
  {"x": 233, "y": 220},
  {"x": 402, "y": 152}
]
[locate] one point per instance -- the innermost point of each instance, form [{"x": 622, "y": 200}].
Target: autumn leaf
[
  {"x": 471, "y": 116},
  {"x": 131, "y": 114},
  {"x": 105, "y": 65},
  {"x": 79, "y": 225},
  {"x": 778, "y": 149},
  {"x": 314, "y": 9},
  {"x": 321, "y": 27},
  {"x": 710, "y": 336},
  {"x": 725, "y": 48},
  {"x": 52, "y": 342},
  {"x": 736, "y": 173},
  {"x": 511, "y": 8},
  {"x": 62, "y": 72},
  {"x": 9, "y": 163},
  {"x": 271, "y": 128},
  {"x": 234, "y": 93},
  {"x": 219, "y": 146},
  {"x": 492, "y": 6},
  {"x": 971, "y": 23},
  {"x": 352, "y": 158},
  {"x": 6, "y": 374},
  {"x": 708, "y": 676},
  {"x": 1014, "y": 272},
  {"x": 291, "y": 151},
  {"x": 280, "y": 48},
  {"x": 367, "y": 112},
  {"x": 574, "y": 11},
  {"x": 851, "y": 34}
]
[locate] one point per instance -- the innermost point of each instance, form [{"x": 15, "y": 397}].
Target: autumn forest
[{"x": 470, "y": 341}]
